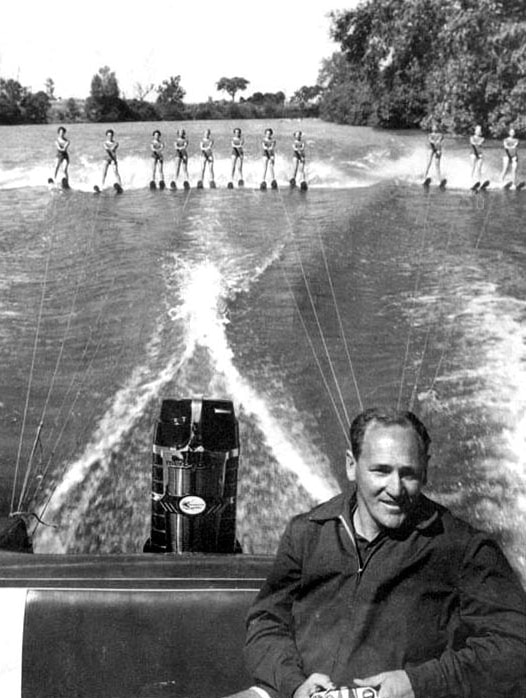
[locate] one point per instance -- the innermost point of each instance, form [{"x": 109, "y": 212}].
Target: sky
[{"x": 275, "y": 44}]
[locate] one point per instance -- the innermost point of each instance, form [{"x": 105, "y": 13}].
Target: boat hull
[{"x": 125, "y": 626}]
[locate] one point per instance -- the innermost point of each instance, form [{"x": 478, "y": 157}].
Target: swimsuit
[
  {"x": 435, "y": 143},
  {"x": 237, "y": 149},
  {"x": 110, "y": 156},
  {"x": 476, "y": 152},
  {"x": 180, "y": 148},
  {"x": 156, "y": 154},
  {"x": 511, "y": 150},
  {"x": 206, "y": 150},
  {"x": 62, "y": 155}
]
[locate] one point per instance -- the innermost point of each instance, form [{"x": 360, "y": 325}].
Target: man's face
[{"x": 389, "y": 476}]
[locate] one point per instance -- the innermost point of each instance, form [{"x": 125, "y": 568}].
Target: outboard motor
[{"x": 194, "y": 477}]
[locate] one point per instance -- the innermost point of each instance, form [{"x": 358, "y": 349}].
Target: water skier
[
  {"x": 62, "y": 144},
  {"x": 110, "y": 148},
  {"x": 157, "y": 147},
  {"x": 435, "y": 140},
  {"x": 269, "y": 155},
  {"x": 510, "y": 158},
  {"x": 207, "y": 155},
  {"x": 477, "y": 155},
  {"x": 238, "y": 154},
  {"x": 298, "y": 157},
  {"x": 181, "y": 155}
]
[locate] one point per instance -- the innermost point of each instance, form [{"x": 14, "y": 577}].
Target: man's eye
[{"x": 410, "y": 476}]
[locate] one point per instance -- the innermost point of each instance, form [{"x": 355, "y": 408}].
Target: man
[
  {"x": 181, "y": 155},
  {"x": 156, "y": 148},
  {"x": 110, "y": 150},
  {"x": 62, "y": 144},
  {"x": 298, "y": 157},
  {"x": 383, "y": 587},
  {"x": 510, "y": 159},
  {"x": 238, "y": 155},
  {"x": 477, "y": 155},
  {"x": 207, "y": 156},
  {"x": 269, "y": 156},
  {"x": 435, "y": 140}
]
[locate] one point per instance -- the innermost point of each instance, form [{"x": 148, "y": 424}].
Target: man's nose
[{"x": 394, "y": 485}]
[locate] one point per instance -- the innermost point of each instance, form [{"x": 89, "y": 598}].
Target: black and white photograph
[{"x": 263, "y": 349}]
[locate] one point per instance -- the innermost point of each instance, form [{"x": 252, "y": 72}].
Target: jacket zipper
[
  {"x": 342, "y": 644},
  {"x": 353, "y": 541}
]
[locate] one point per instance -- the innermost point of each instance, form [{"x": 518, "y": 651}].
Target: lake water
[{"x": 298, "y": 306}]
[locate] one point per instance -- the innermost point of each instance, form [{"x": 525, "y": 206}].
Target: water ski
[
  {"x": 199, "y": 184},
  {"x": 520, "y": 186},
  {"x": 507, "y": 185},
  {"x": 241, "y": 183},
  {"x": 426, "y": 182},
  {"x": 230, "y": 185},
  {"x": 443, "y": 183},
  {"x": 162, "y": 185},
  {"x": 274, "y": 184},
  {"x": 186, "y": 184},
  {"x": 212, "y": 184},
  {"x": 153, "y": 185},
  {"x": 475, "y": 186},
  {"x": 118, "y": 188},
  {"x": 64, "y": 183},
  {"x": 50, "y": 180},
  {"x": 484, "y": 185},
  {"x": 304, "y": 186},
  {"x": 292, "y": 183},
  {"x": 173, "y": 185},
  {"x": 263, "y": 186},
  {"x": 96, "y": 189}
]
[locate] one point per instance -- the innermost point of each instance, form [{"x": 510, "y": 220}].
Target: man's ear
[{"x": 350, "y": 466}]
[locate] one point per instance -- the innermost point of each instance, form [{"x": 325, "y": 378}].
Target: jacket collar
[{"x": 424, "y": 515}]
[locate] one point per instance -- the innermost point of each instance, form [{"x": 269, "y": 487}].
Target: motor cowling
[{"x": 194, "y": 477}]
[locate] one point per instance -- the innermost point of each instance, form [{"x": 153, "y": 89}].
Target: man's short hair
[{"x": 387, "y": 417}]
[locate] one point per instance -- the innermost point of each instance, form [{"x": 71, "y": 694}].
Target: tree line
[
  {"x": 400, "y": 64},
  {"x": 406, "y": 63},
  {"x": 105, "y": 102},
  {"x": 18, "y": 105}
]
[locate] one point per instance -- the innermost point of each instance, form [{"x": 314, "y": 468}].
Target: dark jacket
[{"x": 436, "y": 598}]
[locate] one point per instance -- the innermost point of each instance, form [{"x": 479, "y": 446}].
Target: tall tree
[
  {"x": 11, "y": 96},
  {"x": 170, "y": 95},
  {"x": 170, "y": 91},
  {"x": 306, "y": 94},
  {"x": 232, "y": 85},
  {"x": 104, "y": 102},
  {"x": 35, "y": 107},
  {"x": 104, "y": 84},
  {"x": 457, "y": 60}
]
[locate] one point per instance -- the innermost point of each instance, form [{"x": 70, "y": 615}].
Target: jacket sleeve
[
  {"x": 270, "y": 651},
  {"x": 491, "y": 658}
]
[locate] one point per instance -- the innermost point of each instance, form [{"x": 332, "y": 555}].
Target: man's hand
[
  {"x": 315, "y": 683},
  {"x": 389, "y": 684}
]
